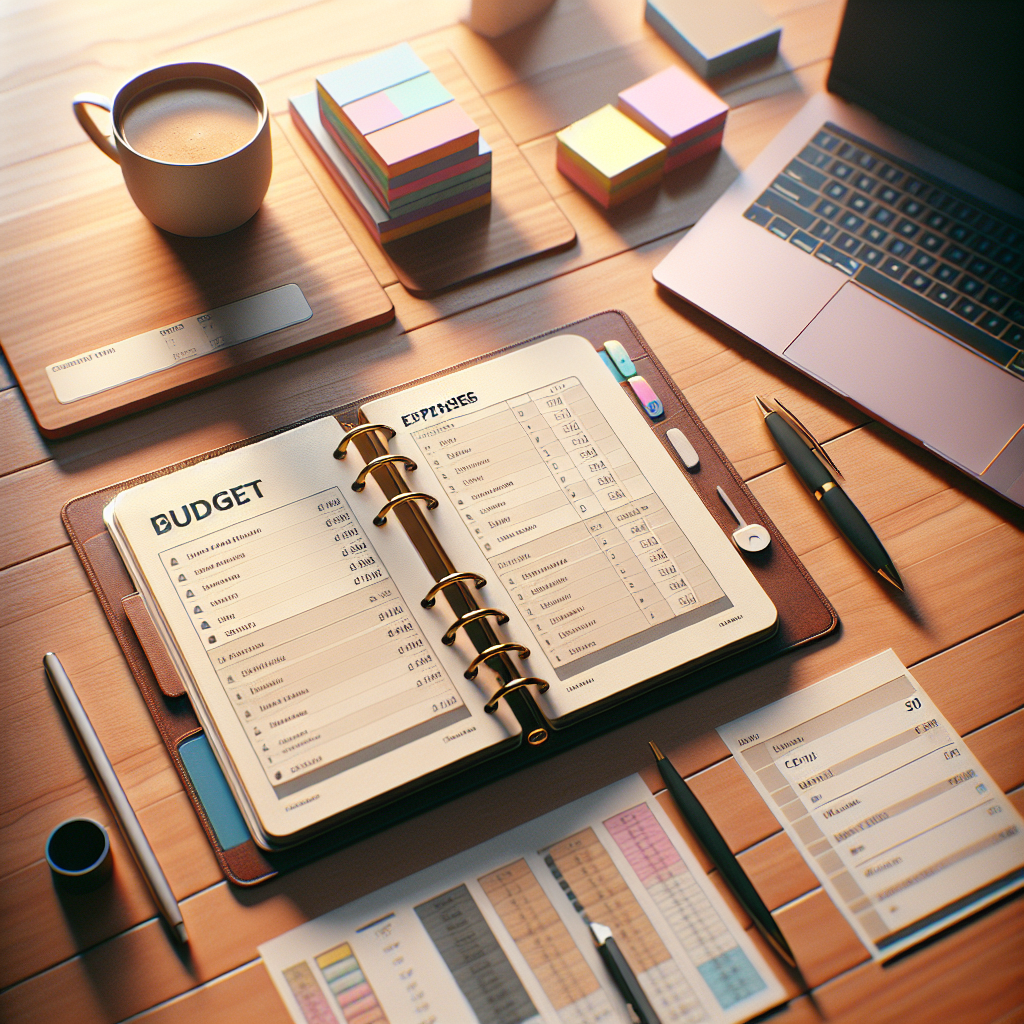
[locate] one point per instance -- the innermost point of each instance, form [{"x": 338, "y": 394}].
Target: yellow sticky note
[{"x": 611, "y": 147}]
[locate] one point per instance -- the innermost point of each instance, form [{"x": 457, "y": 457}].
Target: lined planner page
[
  {"x": 319, "y": 679},
  {"x": 499, "y": 934},
  {"x": 556, "y": 490}
]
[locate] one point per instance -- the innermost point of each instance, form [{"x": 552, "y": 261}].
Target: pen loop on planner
[
  {"x": 381, "y": 460},
  {"x": 447, "y": 581},
  {"x": 353, "y": 432},
  {"x": 815, "y": 445},
  {"x": 514, "y": 684},
  {"x": 382, "y": 516},
  {"x": 463, "y": 620},
  {"x": 490, "y": 652}
]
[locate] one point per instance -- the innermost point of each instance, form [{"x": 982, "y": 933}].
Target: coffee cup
[{"x": 193, "y": 142}]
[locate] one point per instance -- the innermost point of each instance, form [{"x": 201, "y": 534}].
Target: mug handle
[{"x": 78, "y": 104}]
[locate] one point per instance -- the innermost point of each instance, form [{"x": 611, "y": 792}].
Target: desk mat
[
  {"x": 93, "y": 271},
  {"x": 804, "y": 615},
  {"x": 521, "y": 222}
]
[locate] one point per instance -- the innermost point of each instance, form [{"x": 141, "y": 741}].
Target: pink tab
[{"x": 648, "y": 399}]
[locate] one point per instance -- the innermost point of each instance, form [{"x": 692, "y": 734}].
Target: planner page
[
  {"x": 500, "y": 934},
  {"x": 904, "y": 828},
  {"x": 554, "y": 488},
  {"x": 317, "y": 675}
]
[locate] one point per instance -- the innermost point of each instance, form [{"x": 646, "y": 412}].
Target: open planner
[{"x": 358, "y": 610}]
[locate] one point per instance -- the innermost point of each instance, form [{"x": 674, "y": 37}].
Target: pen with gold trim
[{"x": 815, "y": 476}]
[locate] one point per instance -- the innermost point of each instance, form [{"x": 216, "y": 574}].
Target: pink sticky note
[
  {"x": 372, "y": 113},
  {"x": 673, "y": 106}
]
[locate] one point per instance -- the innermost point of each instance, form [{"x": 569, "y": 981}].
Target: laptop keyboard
[{"x": 905, "y": 236}]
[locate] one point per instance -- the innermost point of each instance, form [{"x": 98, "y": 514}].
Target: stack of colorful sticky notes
[
  {"x": 610, "y": 156},
  {"x": 415, "y": 148},
  {"x": 678, "y": 110}
]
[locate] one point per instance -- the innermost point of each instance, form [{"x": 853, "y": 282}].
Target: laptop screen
[{"x": 947, "y": 72}]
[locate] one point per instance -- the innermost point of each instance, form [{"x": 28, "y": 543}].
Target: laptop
[{"x": 877, "y": 244}]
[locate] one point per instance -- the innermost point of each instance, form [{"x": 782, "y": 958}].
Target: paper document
[
  {"x": 904, "y": 828},
  {"x": 499, "y": 934}
]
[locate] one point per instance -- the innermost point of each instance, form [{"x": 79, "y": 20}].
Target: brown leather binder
[{"x": 804, "y": 614}]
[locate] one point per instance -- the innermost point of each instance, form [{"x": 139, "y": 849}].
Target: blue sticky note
[
  {"x": 611, "y": 366},
  {"x": 214, "y": 793},
  {"x": 620, "y": 357},
  {"x": 375, "y": 74}
]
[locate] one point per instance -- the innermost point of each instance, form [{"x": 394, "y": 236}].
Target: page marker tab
[
  {"x": 611, "y": 366},
  {"x": 620, "y": 357},
  {"x": 648, "y": 399},
  {"x": 685, "y": 450}
]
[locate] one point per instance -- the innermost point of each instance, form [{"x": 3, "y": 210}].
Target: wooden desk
[{"x": 960, "y": 550}]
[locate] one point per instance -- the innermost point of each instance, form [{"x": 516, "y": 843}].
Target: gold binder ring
[
  {"x": 474, "y": 665},
  {"x": 382, "y": 516},
  {"x": 463, "y": 620},
  {"x": 452, "y": 577},
  {"x": 364, "y": 428},
  {"x": 514, "y": 684},
  {"x": 381, "y": 460}
]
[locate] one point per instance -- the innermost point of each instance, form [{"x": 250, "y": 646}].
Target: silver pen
[{"x": 105, "y": 776}]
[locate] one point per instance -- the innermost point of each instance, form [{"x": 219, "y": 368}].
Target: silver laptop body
[{"x": 873, "y": 322}]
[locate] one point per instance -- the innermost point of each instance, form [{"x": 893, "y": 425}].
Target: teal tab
[
  {"x": 214, "y": 794},
  {"x": 375, "y": 74},
  {"x": 418, "y": 94},
  {"x": 620, "y": 357},
  {"x": 611, "y": 366}
]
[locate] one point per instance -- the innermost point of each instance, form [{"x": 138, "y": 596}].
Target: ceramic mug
[{"x": 193, "y": 142}]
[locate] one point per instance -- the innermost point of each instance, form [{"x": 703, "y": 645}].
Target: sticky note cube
[
  {"x": 374, "y": 74},
  {"x": 381, "y": 109},
  {"x": 714, "y": 37},
  {"x": 679, "y": 111},
  {"x": 610, "y": 156}
]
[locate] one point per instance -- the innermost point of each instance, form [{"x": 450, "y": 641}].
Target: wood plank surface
[{"x": 960, "y": 625}]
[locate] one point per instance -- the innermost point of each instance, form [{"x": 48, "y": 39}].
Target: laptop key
[
  {"x": 794, "y": 190},
  {"x": 907, "y": 228},
  {"x": 979, "y": 266},
  {"x": 933, "y": 243},
  {"x": 836, "y": 259},
  {"x": 959, "y": 232},
  {"x": 825, "y": 231},
  {"x": 983, "y": 245},
  {"x": 918, "y": 281},
  {"x": 804, "y": 241},
  {"x": 1008, "y": 258},
  {"x": 835, "y": 190},
  {"x": 815, "y": 157},
  {"x": 891, "y": 174},
  {"x": 859, "y": 203},
  {"x": 865, "y": 183},
  {"x": 946, "y": 274},
  {"x": 851, "y": 222},
  {"x": 1016, "y": 313},
  {"x": 883, "y": 215},
  {"x": 827, "y": 209},
  {"x": 759, "y": 215},
  {"x": 826, "y": 141},
  {"x": 954, "y": 254},
  {"x": 805, "y": 175},
  {"x": 915, "y": 187},
  {"x": 911, "y": 207},
  {"x": 1005, "y": 282},
  {"x": 869, "y": 254},
  {"x": 923, "y": 261},
  {"x": 993, "y": 323},
  {"x": 874, "y": 234},
  {"x": 781, "y": 227},
  {"x": 942, "y": 295},
  {"x": 841, "y": 170},
  {"x": 867, "y": 161},
  {"x": 888, "y": 195},
  {"x": 936, "y": 220},
  {"x": 1015, "y": 336},
  {"x": 994, "y": 300},
  {"x": 967, "y": 309},
  {"x": 894, "y": 268},
  {"x": 969, "y": 286},
  {"x": 898, "y": 247},
  {"x": 787, "y": 210},
  {"x": 847, "y": 243}
]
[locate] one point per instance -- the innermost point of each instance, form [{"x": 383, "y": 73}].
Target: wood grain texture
[
  {"x": 98, "y": 249},
  {"x": 961, "y": 550}
]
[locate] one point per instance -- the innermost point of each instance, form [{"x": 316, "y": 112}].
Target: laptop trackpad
[{"x": 911, "y": 376}]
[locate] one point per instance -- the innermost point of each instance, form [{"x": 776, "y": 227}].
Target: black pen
[
  {"x": 814, "y": 475},
  {"x": 722, "y": 857},
  {"x": 622, "y": 974}
]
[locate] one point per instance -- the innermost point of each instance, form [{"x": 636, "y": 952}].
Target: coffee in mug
[{"x": 193, "y": 142}]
